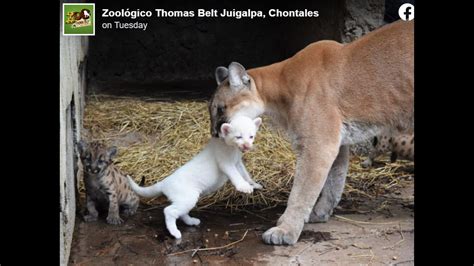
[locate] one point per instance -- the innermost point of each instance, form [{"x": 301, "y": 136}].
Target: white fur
[
  {"x": 209, "y": 170},
  {"x": 354, "y": 132},
  {"x": 250, "y": 109}
]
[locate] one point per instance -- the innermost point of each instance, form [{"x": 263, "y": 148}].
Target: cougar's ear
[
  {"x": 221, "y": 74},
  {"x": 238, "y": 77}
]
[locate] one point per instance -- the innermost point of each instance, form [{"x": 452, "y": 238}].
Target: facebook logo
[{"x": 406, "y": 12}]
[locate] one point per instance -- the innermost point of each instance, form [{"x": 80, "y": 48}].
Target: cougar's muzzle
[{"x": 218, "y": 118}]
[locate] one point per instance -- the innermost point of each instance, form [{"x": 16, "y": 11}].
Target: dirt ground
[{"x": 376, "y": 232}]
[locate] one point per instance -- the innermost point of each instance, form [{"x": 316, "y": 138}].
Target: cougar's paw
[
  {"x": 279, "y": 236},
  {"x": 318, "y": 218}
]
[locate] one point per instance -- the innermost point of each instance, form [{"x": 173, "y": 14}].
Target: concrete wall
[
  {"x": 361, "y": 17},
  {"x": 183, "y": 52},
  {"x": 189, "y": 49},
  {"x": 71, "y": 105}
]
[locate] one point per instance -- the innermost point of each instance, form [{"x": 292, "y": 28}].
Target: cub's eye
[
  {"x": 101, "y": 161},
  {"x": 251, "y": 137},
  {"x": 238, "y": 137}
]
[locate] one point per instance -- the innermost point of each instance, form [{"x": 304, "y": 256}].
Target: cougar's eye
[
  {"x": 251, "y": 137},
  {"x": 220, "y": 109},
  {"x": 238, "y": 137}
]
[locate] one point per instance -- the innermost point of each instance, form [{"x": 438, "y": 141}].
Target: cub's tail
[{"x": 147, "y": 192}]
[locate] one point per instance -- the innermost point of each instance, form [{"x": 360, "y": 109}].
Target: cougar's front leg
[
  {"x": 316, "y": 154},
  {"x": 333, "y": 188}
]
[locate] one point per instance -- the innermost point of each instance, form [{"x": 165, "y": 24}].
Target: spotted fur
[
  {"x": 400, "y": 147},
  {"x": 106, "y": 186}
]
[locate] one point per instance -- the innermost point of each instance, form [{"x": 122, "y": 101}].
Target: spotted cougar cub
[
  {"x": 220, "y": 160},
  {"x": 106, "y": 186},
  {"x": 401, "y": 146}
]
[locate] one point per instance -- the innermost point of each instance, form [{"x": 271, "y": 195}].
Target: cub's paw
[
  {"x": 114, "y": 220},
  {"x": 176, "y": 233},
  {"x": 129, "y": 212},
  {"x": 366, "y": 164},
  {"x": 193, "y": 221},
  {"x": 90, "y": 218},
  {"x": 256, "y": 185},
  {"x": 244, "y": 187}
]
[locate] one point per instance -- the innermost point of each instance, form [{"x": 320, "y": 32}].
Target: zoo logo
[{"x": 78, "y": 19}]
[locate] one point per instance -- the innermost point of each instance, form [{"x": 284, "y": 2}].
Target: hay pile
[{"x": 156, "y": 138}]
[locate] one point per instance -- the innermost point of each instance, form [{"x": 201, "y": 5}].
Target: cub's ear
[
  {"x": 257, "y": 121},
  {"x": 225, "y": 129},
  {"x": 221, "y": 74},
  {"x": 111, "y": 152},
  {"x": 81, "y": 147}
]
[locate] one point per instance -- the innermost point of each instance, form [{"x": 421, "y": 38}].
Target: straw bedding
[{"x": 154, "y": 138}]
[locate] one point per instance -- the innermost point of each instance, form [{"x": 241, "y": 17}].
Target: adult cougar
[{"x": 327, "y": 96}]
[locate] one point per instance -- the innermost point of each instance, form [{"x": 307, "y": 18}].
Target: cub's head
[
  {"x": 95, "y": 156},
  {"x": 240, "y": 132},
  {"x": 236, "y": 94}
]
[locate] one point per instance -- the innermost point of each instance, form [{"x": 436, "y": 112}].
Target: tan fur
[{"x": 315, "y": 94}]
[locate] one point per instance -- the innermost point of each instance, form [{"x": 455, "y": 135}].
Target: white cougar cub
[{"x": 209, "y": 170}]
